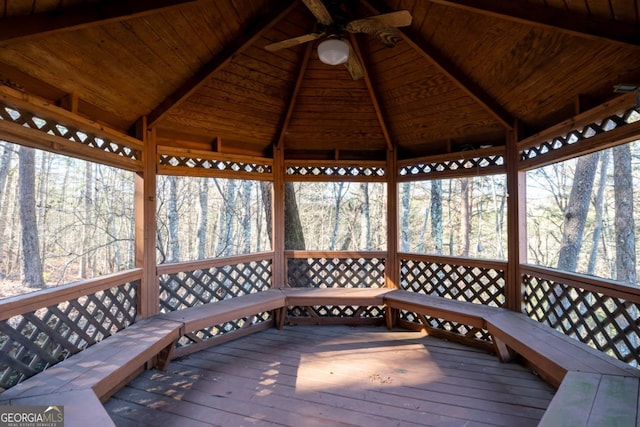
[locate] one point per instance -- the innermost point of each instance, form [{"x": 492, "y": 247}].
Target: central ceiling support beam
[
  {"x": 372, "y": 93},
  {"x": 560, "y": 19},
  {"x": 450, "y": 70},
  {"x": 78, "y": 16},
  {"x": 254, "y": 30}
]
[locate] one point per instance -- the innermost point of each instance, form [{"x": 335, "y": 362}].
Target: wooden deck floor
[{"x": 334, "y": 376}]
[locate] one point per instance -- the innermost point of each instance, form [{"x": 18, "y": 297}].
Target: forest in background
[
  {"x": 73, "y": 219},
  {"x": 582, "y": 214}
]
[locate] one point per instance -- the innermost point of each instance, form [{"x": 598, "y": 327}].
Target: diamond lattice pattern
[{"x": 603, "y": 322}]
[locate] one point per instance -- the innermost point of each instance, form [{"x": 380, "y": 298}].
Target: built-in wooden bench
[
  {"x": 585, "y": 399},
  {"x": 82, "y": 381},
  {"x": 424, "y": 305},
  {"x": 592, "y": 385},
  {"x": 208, "y": 315},
  {"x": 552, "y": 353},
  {"x": 308, "y": 298}
]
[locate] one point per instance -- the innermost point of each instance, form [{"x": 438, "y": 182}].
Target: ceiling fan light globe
[{"x": 333, "y": 52}]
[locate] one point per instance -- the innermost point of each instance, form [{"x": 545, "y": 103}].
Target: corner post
[
  {"x": 392, "y": 267},
  {"x": 279, "y": 275},
  {"x": 516, "y": 222},
  {"x": 145, "y": 222}
]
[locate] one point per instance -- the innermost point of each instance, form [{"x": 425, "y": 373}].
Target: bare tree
[
  {"x": 339, "y": 193},
  {"x": 436, "y": 215},
  {"x": 404, "y": 220},
  {"x": 203, "y": 198},
  {"x": 465, "y": 215},
  {"x": 265, "y": 192},
  {"x": 624, "y": 222},
  {"x": 5, "y": 164},
  {"x": 246, "y": 217},
  {"x": 294, "y": 235},
  {"x": 599, "y": 207},
  {"x": 366, "y": 214},
  {"x": 88, "y": 220},
  {"x": 173, "y": 217},
  {"x": 575, "y": 214},
  {"x": 32, "y": 264}
]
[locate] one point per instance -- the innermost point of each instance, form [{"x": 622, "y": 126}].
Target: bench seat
[
  {"x": 443, "y": 308},
  {"x": 586, "y": 399},
  {"x": 550, "y": 351},
  {"x": 335, "y": 296},
  {"x": 207, "y": 315},
  {"x": 103, "y": 366}
]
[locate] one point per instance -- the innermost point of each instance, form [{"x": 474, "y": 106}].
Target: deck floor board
[{"x": 334, "y": 376}]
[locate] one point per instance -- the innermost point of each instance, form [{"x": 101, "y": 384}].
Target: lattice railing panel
[
  {"x": 191, "y": 288},
  {"x": 603, "y": 322},
  {"x": 455, "y": 281},
  {"x": 73, "y": 134},
  {"x": 31, "y": 342},
  {"x": 368, "y": 171},
  {"x": 480, "y": 162},
  {"x": 212, "y": 163},
  {"x": 336, "y": 273},
  {"x": 575, "y": 136}
]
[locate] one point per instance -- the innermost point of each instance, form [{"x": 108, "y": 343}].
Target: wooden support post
[
  {"x": 392, "y": 267},
  {"x": 279, "y": 275},
  {"x": 516, "y": 223},
  {"x": 145, "y": 223}
]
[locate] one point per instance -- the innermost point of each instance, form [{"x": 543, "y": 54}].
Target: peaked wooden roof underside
[{"x": 464, "y": 72}]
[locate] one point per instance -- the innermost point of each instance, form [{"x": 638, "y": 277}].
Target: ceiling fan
[{"x": 333, "y": 24}]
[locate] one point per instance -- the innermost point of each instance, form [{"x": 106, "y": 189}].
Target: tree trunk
[
  {"x": 436, "y": 215},
  {"x": 224, "y": 244},
  {"x": 246, "y": 218},
  {"x": 624, "y": 223},
  {"x": 172, "y": 216},
  {"x": 599, "y": 206},
  {"x": 88, "y": 220},
  {"x": 465, "y": 215},
  {"x": 32, "y": 264},
  {"x": 575, "y": 215},
  {"x": 336, "y": 214},
  {"x": 404, "y": 221},
  {"x": 366, "y": 213},
  {"x": 294, "y": 235},
  {"x": 203, "y": 198},
  {"x": 265, "y": 191},
  {"x": 5, "y": 166},
  {"x": 499, "y": 208}
]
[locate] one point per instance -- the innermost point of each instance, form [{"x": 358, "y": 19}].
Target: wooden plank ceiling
[{"x": 462, "y": 74}]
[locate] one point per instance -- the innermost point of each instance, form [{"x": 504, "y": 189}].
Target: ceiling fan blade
[
  {"x": 319, "y": 11},
  {"x": 401, "y": 18},
  {"x": 293, "y": 42},
  {"x": 385, "y": 33},
  {"x": 353, "y": 64}
]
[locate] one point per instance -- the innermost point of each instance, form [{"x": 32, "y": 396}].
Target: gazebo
[{"x": 425, "y": 90}]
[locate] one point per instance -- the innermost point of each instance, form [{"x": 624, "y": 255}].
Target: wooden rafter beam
[
  {"x": 294, "y": 95},
  {"x": 382, "y": 120},
  {"x": 560, "y": 19},
  {"x": 254, "y": 31},
  {"x": 460, "y": 79},
  {"x": 83, "y": 15}
]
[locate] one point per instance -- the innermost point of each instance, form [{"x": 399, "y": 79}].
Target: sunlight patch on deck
[{"x": 389, "y": 365}]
